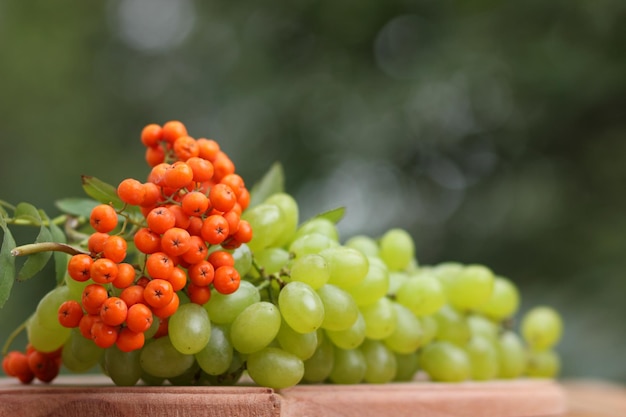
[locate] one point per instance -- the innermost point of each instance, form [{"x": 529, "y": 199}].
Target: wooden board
[{"x": 72, "y": 396}]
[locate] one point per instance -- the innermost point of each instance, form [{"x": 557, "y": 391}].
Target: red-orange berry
[
  {"x": 235, "y": 182},
  {"x": 222, "y": 166},
  {"x": 160, "y": 219},
  {"x": 113, "y": 311},
  {"x": 179, "y": 175},
  {"x": 221, "y": 258},
  {"x": 214, "y": 229},
  {"x": 139, "y": 318},
  {"x": 103, "y": 334},
  {"x": 86, "y": 323},
  {"x": 195, "y": 226},
  {"x": 131, "y": 191},
  {"x": 181, "y": 219},
  {"x": 202, "y": 168},
  {"x": 151, "y": 135},
  {"x": 175, "y": 241},
  {"x": 164, "y": 312},
  {"x": 128, "y": 341},
  {"x": 152, "y": 194},
  {"x": 79, "y": 267},
  {"x": 157, "y": 174},
  {"x": 198, "y": 294},
  {"x": 172, "y": 130},
  {"x": 208, "y": 148},
  {"x": 244, "y": 199},
  {"x": 158, "y": 293},
  {"x": 95, "y": 243},
  {"x": 103, "y": 218},
  {"x": 185, "y": 147},
  {"x": 70, "y": 314},
  {"x": 178, "y": 278},
  {"x": 147, "y": 241},
  {"x": 125, "y": 275},
  {"x": 92, "y": 298},
  {"x": 132, "y": 295},
  {"x": 201, "y": 273},
  {"x": 222, "y": 197},
  {"x": 226, "y": 280},
  {"x": 159, "y": 265},
  {"x": 244, "y": 232},
  {"x": 194, "y": 203},
  {"x": 115, "y": 248},
  {"x": 197, "y": 250},
  {"x": 154, "y": 155},
  {"x": 103, "y": 271}
]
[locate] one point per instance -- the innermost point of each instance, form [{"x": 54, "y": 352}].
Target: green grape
[
  {"x": 161, "y": 359},
  {"x": 76, "y": 287},
  {"x": 381, "y": 365},
  {"x": 189, "y": 377},
  {"x": 274, "y": 368},
  {"x": 407, "y": 336},
  {"x": 319, "y": 366},
  {"x": 396, "y": 280},
  {"x": 311, "y": 243},
  {"x": 272, "y": 260},
  {"x": 303, "y": 345},
  {"x": 46, "y": 338},
  {"x": 290, "y": 217},
  {"x": 365, "y": 244},
  {"x": 268, "y": 222},
  {"x": 397, "y": 249},
  {"x": 189, "y": 328},
  {"x": 351, "y": 337},
  {"x": 255, "y": 327},
  {"x": 374, "y": 286},
  {"x": 446, "y": 272},
  {"x": 452, "y": 326},
  {"x": 310, "y": 269},
  {"x": 482, "y": 326},
  {"x": 380, "y": 319},
  {"x": 151, "y": 380},
  {"x": 228, "y": 378},
  {"x": 512, "y": 355},
  {"x": 445, "y": 362},
  {"x": 423, "y": 294},
  {"x": 243, "y": 259},
  {"x": 406, "y": 366},
  {"x": 301, "y": 307},
  {"x": 543, "y": 364},
  {"x": 123, "y": 367},
  {"x": 154, "y": 327},
  {"x": 347, "y": 266},
  {"x": 319, "y": 225},
  {"x": 503, "y": 302},
  {"x": 80, "y": 354},
  {"x": 349, "y": 366},
  {"x": 542, "y": 327},
  {"x": 224, "y": 308},
  {"x": 340, "y": 310},
  {"x": 48, "y": 307},
  {"x": 471, "y": 287},
  {"x": 429, "y": 329},
  {"x": 483, "y": 356},
  {"x": 216, "y": 356}
]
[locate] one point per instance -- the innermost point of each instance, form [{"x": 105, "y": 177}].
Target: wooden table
[{"x": 80, "y": 396}]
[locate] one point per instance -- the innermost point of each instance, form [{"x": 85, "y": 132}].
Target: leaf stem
[
  {"x": 12, "y": 336},
  {"x": 33, "y": 248}
]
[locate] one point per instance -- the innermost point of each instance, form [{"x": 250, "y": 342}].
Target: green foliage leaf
[
  {"x": 27, "y": 211},
  {"x": 7, "y": 263},
  {"x": 76, "y": 206},
  {"x": 271, "y": 183},
  {"x": 37, "y": 261},
  {"x": 101, "y": 191},
  {"x": 334, "y": 215},
  {"x": 60, "y": 258}
]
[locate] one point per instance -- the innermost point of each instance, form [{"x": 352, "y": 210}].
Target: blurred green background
[{"x": 494, "y": 131}]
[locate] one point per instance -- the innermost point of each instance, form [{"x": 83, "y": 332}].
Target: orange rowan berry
[
  {"x": 244, "y": 232},
  {"x": 163, "y": 327},
  {"x": 201, "y": 273},
  {"x": 131, "y": 191},
  {"x": 157, "y": 174},
  {"x": 95, "y": 243},
  {"x": 158, "y": 293},
  {"x": 143, "y": 281},
  {"x": 132, "y": 295},
  {"x": 113, "y": 311},
  {"x": 198, "y": 294},
  {"x": 226, "y": 280},
  {"x": 197, "y": 250},
  {"x": 172, "y": 130},
  {"x": 103, "y": 271},
  {"x": 221, "y": 258},
  {"x": 79, "y": 267},
  {"x": 208, "y": 148},
  {"x": 160, "y": 219},
  {"x": 127, "y": 340},
  {"x": 154, "y": 155},
  {"x": 17, "y": 364},
  {"x": 44, "y": 367},
  {"x": 70, "y": 313},
  {"x": 125, "y": 275},
  {"x": 151, "y": 135},
  {"x": 104, "y": 335},
  {"x": 115, "y": 248},
  {"x": 86, "y": 323},
  {"x": 202, "y": 168},
  {"x": 214, "y": 229},
  {"x": 185, "y": 147},
  {"x": 166, "y": 311},
  {"x": 244, "y": 199},
  {"x": 152, "y": 194},
  {"x": 178, "y": 279},
  {"x": 195, "y": 226},
  {"x": 181, "y": 219},
  {"x": 175, "y": 241},
  {"x": 194, "y": 203},
  {"x": 103, "y": 218},
  {"x": 222, "y": 166},
  {"x": 235, "y": 182},
  {"x": 159, "y": 265},
  {"x": 179, "y": 175},
  {"x": 222, "y": 197},
  {"x": 92, "y": 298},
  {"x": 233, "y": 218},
  {"x": 147, "y": 241},
  {"x": 139, "y": 318}
]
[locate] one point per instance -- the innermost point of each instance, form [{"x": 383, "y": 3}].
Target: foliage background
[{"x": 493, "y": 131}]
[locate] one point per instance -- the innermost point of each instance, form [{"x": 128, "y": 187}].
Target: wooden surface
[{"x": 74, "y": 396}]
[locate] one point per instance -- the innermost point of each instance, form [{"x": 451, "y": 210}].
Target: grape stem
[{"x": 33, "y": 248}]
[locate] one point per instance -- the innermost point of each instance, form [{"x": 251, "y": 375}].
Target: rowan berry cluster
[
  {"x": 26, "y": 366},
  {"x": 191, "y": 205}
]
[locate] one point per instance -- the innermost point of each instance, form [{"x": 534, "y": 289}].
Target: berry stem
[
  {"x": 12, "y": 336},
  {"x": 33, "y": 248}
]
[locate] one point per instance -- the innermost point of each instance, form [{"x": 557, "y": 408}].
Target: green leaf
[
  {"x": 271, "y": 183},
  {"x": 333, "y": 215},
  {"x": 76, "y": 206},
  {"x": 60, "y": 258},
  {"x": 101, "y": 191},
  {"x": 37, "y": 261},
  {"x": 27, "y": 211},
  {"x": 7, "y": 263}
]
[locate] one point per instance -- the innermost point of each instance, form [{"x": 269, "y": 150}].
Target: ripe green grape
[
  {"x": 483, "y": 356},
  {"x": 76, "y": 287},
  {"x": 272, "y": 260},
  {"x": 396, "y": 280},
  {"x": 319, "y": 366},
  {"x": 397, "y": 249},
  {"x": 243, "y": 259},
  {"x": 255, "y": 327},
  {"x": 406, "y": 366},
  {"x": 301, "y": 307},
  {"x": 310, "y": 269},
  {"x": 161, "y": 359},
  {"x": 429, "y": 329},
  {"x": 313, "y": 243},
  {"x": 512, "y": 355},
  {"x": 347, "y": 266},
  {"x": 446, "y": 272},
  {"x": 380, "y": 319},
  {"x": 365, "y": 244},
  {"x": 423, "y": 294},
  {"x": 122, "y": 367},
  {"x": 340, "y": 310},
  {"x": 374, "y": 286},
  {"x": 542, "y": 327},
  {"x": 79, "y": 353},
  {"x": 275, "y": 368},
  {"x": 46, "y": 338},
  {"x": 303, "y": 345},
  {"x": 349, "y": 366},
  {"x": 216, "y": 356},
  {"x": 224, "y": 308},
  {"x": 230, "y": 377},
  {"x": 381, "y": 365},
  {"x": 452, "y": 326},
  {"x": 319, "y": 225},
  {"x": 445, "y": 362},
  {"x": 407, "y": 336},
  {"x": 351, "y": 337},
  {"x": 290, "y": 217},
  {"x": 48, "y": 307},
  {"x": 543, "y": 364},
  {"x": 503, "y": 302},
  {"x": 189, "y": 328},
  {"x": 268, "y": 222},
  {"x": 482, "y": 326},
  {"x": 471, "y": 287}
]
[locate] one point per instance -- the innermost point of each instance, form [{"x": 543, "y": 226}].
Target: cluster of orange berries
[
  {"x": 26, "y": 366},
  {"x": 191, "y": 205}
]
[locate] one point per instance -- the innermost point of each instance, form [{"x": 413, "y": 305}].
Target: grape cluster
[{"x": 174, "y": 287}]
